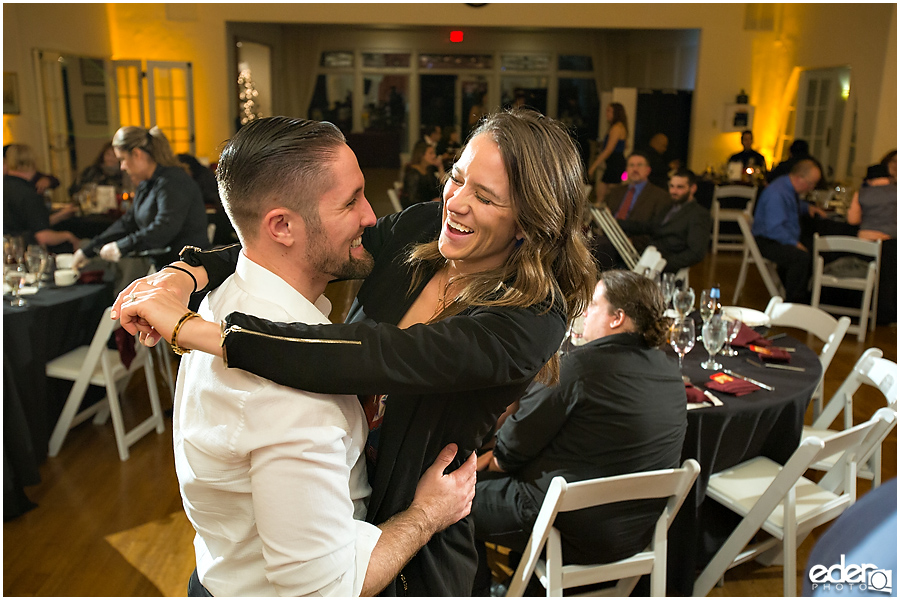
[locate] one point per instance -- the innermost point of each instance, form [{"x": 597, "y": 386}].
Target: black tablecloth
[
  {"x": 762, "y": 423},
  {"x": 55, "y": 321}
]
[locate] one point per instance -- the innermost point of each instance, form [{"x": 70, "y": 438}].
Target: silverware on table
[
  {"x": 775, "y": 366},
  {"x": 753, "y": 381}
]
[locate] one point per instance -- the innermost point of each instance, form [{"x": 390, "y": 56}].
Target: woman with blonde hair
[
  {"x": 466, "y": 304},
  {"x": 613, "y": 150},
  {"x": 167, "y": 212}
]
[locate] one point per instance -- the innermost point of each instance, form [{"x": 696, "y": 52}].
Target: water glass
[
  {"x": 684, "y": 302},
  {"x": 714, "y": 332},
  {"x": 681, "y": 337}
]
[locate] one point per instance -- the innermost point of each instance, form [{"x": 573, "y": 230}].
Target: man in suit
[
  {"x": 638, "y": 201},
  {"x": 682, "y": 234},
  {"x": 749, "y": 157}
]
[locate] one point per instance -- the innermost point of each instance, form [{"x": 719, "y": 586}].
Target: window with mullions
[
  {"x": 525, "y": 62},
  {"x": 380, "y": 60},
  {"x": 456, "y": 61},
  {"x": 337, "y": 59}
]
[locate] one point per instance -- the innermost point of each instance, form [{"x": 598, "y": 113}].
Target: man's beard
[{"x": 337, "y": 267}]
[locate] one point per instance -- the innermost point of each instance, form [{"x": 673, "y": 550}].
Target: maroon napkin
[
  {"x": 125, "y": 344},
  {"x": 747, "y": 336},
  {"x": 772, "y": 354},
  {"x": 694, "y": 395},
  {"x": 721, "y": 382}
]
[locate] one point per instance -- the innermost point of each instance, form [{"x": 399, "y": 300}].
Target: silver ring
[{"x": 132, "y": 297}]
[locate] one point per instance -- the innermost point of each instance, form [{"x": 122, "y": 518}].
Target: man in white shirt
[{"x": 273, "y": 479}]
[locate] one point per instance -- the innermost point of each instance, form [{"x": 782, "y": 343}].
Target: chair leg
[
  {"x": 69, "y": 411},
  {"x": 115, "y": 410},
  {"x": 742, "y": 277},
  {"x": 155, "y": 407},
  {"x": 715, "y": 235}
]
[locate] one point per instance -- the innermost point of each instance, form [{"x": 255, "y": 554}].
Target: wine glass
[
  {"x": 684, "y": 302},
  {"x": 36, "y": 258},
  {"x": 15, "y": 278},
  {"x": 681, "y": 337},
  {"x": 667, "y": 287},
  {"x": 706, "y": 305},
  {"x": 714, "y": 332},
  {"x": 733, "y": 327}
]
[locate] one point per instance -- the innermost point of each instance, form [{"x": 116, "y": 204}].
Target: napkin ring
[{"x": 174, "y": 343}]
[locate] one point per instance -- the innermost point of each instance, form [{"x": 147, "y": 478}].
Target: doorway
[{"x": 821, "y": 102}]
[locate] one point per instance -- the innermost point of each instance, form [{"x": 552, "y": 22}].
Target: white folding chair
[
  {"x": 395, "y": 200},
  {"x": 673, "y": 484},
  {"x": 783, "y": 503},
  {"x": 868, "y": 285},
  {"x": 211, "y": 232},
  {"x": 729, "y": 241},
  {"x": 767, "y": 269},
  {"x": 873, "y": 370},
  {"x": 817, "y": 322},
  {"x": 98, "y": 365},
  {"x": 651, "y": 263}
]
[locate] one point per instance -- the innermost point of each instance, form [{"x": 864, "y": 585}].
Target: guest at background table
[
  {"x": 168, "y": 207},
  {"x": 749, "y": 157},
  {"x": 449, "y": 146},
  {"x": 619, "y": 407},
  {"x": 431, "y": 134},
  {"x": 422, "y": 176},
  {"x": 798, "y": 150},
  {"x": 890, "y": 163},
  {"x": 776, "y": 227},
  {"x": 25, "y": 211},
  {"x": 612, "y": 151},
  {"x": 638, "y": 201},
  {"x": 656, "y": 156},
  {"x": 41, "y": 182},
  {"x": 103, "y": 171},
  {"x": 874, "y": 209},
  {"x": 682, "y": 234}
]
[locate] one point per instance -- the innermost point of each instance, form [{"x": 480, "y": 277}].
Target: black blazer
[
  {"x": 447, "y": 382},
  {"x": 683, "y": 240}
]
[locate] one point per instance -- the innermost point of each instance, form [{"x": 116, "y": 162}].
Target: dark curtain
[{"x": 667, "y": 112}]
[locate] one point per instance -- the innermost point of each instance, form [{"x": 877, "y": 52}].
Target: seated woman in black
[{"x": 422, "y": 176}]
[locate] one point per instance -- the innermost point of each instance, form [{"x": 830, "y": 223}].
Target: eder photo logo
[{"x": 841, "y": 577}]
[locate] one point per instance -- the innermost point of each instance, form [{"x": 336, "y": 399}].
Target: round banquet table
[
  {"x": 762, "y": 423},
  {"x": 55, "y": 321}
]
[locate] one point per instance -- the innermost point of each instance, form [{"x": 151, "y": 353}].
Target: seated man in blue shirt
[
  {"x": 776, "y": 227},
  {"x": 619, "y": 407}
]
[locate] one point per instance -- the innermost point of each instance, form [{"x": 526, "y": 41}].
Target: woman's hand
[
  {"x": 175, "y": 281},
  {"x": 153, "y": 312}
]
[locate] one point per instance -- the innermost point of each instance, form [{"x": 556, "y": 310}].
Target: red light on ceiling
[{"x": 456, "y": 36}]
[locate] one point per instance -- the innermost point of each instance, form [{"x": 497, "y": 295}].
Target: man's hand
[
  {"x": 177, "y": 282},
  {"x": 42, "y": 184},
  {"x": 445, "y": 499},
  {"x": 79, "y": 260},
  {"x": 110, "y": 252},
  {"x": 816, "y": 211}
]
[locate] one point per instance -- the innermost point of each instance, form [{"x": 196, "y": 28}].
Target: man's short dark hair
[
  {"x": 687, "y": 173},
  {"x": 429, "y": 129},
  {"x": 746, "y": 131},
  {"x": 276, "y": 161},
  {"x": 642, "y": 154}
]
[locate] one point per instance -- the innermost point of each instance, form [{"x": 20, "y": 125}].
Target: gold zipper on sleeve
[{"x": 238, "y": 329}]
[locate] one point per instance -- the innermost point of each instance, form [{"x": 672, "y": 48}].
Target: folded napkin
[
  {"x": 125, "y": 344},
  {"x": 771, "y": 354},
  {"x": 721, "y": 382},
  {"x": 748, "y": 335},
  {"x": 694, "y": 395}
]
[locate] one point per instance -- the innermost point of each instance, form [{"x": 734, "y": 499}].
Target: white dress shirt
[{"x": 273, "y": 479}]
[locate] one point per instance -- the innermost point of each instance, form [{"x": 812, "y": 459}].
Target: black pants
[
  {"x": 196, "y": 589},
  {"x": 794, "y": 267}
]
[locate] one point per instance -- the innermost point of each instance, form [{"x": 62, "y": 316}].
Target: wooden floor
[{"x": 107, "y": 528}]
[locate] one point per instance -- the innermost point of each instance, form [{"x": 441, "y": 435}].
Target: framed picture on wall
[
  {"x": 738, "y": 117},
  {"x": 10, "y": 93},
  {"x": 92, "y": 72},
  {"x": 95, "y": 109}
]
